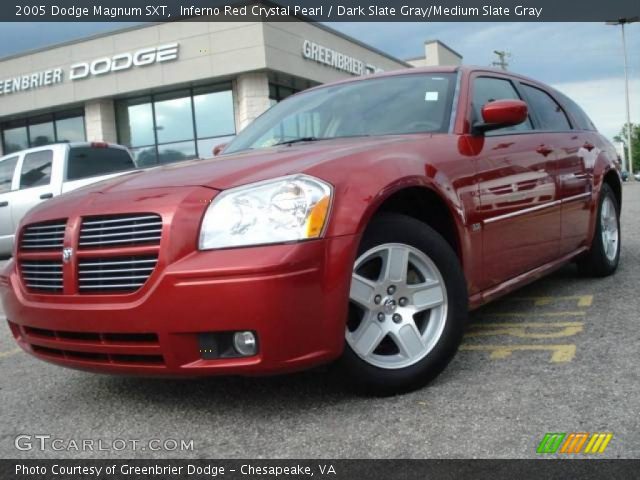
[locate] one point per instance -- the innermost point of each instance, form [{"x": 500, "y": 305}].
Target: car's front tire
[
  {"x": 604, "y": 255},
  {"x": 408, "y": 307}
]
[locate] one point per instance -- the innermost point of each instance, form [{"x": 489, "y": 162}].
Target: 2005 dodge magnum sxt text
[{"x": 357, "y": 221}]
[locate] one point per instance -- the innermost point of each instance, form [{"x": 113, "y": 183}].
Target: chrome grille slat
[
  {"x": 125, "y": 262},
  {"x": 115, "y": 286},
  {"x": 150, "y": 224},
  {"x": 47, "y": 227},
  {"x": 120, "y": 234},
  {"x": 120, "y": 230},
  {"x": 126, "y": 218},
  {"x": 102, "y": 279},
  {"x": 43, "y": 286},
  {"x": 141, "y": 269},
  {"x": 42, "y": 275},
  {"x": 116, "y": 242},
  {"x": 43, "y": 236},
  {"x": 115, "y": 275}
]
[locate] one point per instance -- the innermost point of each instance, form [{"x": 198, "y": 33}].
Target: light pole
[{"x": 622, "y": 22}]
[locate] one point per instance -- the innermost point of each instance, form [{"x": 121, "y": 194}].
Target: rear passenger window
[
  {"x": 7, "y": 167},
  {"x": 488, "y": 89},
  {"x": 582, "y": 120},
  {"x": 549, "y": 113},
  {"x": 36, "y": 169},
  {"x": 85, "y": 162}
]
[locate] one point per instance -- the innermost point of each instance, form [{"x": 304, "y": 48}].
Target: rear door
[
  {"x": 518, "y": 207},
  {"x": 574, "y": 165},
  {"x": 7, "y": 194},
  {"x": 92, "y": 163},
  {"x": 39, "y": 179}
]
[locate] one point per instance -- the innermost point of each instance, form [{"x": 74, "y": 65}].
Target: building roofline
[
  {"x": 443, "y": 45},
  {"x": 151, "y": 24}
]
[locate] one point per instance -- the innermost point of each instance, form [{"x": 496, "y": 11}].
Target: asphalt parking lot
[{"x": 561, "y": 355}]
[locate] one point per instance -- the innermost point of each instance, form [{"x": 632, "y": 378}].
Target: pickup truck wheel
[
  {"x": 603, "y": 257},
  {"x": 408, "y": 307}
]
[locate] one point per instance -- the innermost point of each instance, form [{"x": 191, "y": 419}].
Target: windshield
[{"x": 412, "y": 103}]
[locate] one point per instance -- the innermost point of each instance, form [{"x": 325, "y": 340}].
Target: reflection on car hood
[{"x": 245, "y": 167}]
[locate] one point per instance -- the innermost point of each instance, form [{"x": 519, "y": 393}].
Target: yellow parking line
[
  {"x": 9, "y": 353},
  {"x": 583, "y": 301},
  {"x": 527, "y": 329},
  {"x": 560, "y": 353},
  {"x": 533, "y": 314}
]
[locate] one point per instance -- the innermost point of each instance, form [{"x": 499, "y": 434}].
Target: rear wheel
[
  {"x": 408, "y": 306},
  {"x": 603, "y": 257}
]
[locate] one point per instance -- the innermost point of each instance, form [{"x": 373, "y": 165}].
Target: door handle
[
  {"x": 544, "y": 150},
  {"x": 45, "y": 196},
  {"x": 4, "y": 204},
  {"x": 588, "y": 146}
]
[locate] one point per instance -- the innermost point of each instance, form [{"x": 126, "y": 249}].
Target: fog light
[{"x": 245, "y": 343}]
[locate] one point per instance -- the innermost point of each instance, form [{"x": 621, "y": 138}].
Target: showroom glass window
[
  {"x": 43, "y": 130},
  {"x": 177, "y": 125}
]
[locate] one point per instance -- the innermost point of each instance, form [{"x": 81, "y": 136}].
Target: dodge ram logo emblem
[{"x": 67, "y": 254}]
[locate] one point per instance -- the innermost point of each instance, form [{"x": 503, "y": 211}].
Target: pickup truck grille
[
  {"x": 42, "y": 275},
  {"x": 114, "y": 274},
  {"x": 43, "y": 236},
  {"x": 120, "y": 231}
]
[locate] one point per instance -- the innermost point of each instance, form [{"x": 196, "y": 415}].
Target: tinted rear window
[
  {"x": 85, "y": 162},
  {"x": 581, "y": 119},
  {"x": 550, "y": 114}
]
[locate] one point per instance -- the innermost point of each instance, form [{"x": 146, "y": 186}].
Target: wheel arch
[
  {"x": 612, "y": 178},
  {"x": 426, "y": 204}
]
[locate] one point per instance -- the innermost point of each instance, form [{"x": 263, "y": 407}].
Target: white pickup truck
[{"x": 32, "y": 176}]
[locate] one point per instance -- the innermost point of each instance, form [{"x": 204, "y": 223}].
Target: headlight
[{"x": 284, "y": 209}]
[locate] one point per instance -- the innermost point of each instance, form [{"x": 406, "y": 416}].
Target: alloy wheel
[
  {"x": 609, "y": 228},
  {"x": 398, "y": 306}
]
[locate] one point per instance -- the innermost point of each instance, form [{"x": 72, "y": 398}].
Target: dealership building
[{"x": 174, "y": 90}]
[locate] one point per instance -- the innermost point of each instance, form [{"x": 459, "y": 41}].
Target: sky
[{"x": 583, "y": 60}]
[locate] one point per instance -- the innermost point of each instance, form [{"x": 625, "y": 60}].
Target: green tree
[{"x": 635, "y": 143}]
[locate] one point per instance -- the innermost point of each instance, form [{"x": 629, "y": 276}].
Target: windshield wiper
[{"x": 298, "y": 140}]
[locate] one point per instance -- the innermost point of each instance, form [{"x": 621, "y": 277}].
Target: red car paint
[{"x": 522, "y": 205}]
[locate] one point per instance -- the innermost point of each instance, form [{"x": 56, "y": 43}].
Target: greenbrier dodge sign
[{"x": 92, "y": 68}]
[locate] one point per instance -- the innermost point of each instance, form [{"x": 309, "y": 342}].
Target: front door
[{"x": 519, "y": 208}]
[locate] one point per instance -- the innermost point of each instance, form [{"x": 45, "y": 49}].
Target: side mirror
[
  {"x": 500, "y": 114},
  {"x": 217, "y": 150}
]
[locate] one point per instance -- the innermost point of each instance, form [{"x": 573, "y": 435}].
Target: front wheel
[
  {"x": 408, "y": 307},
  {"x": 604, "y": 255}
]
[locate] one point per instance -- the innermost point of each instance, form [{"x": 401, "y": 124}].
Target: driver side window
[{"x": 489, "y": 89}]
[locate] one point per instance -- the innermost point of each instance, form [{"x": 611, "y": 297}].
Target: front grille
[
  {"x": 115, "y": 274},
  {"x": 120, "y": 230},
  {"x": 42, "y": 275},
  {"x": 43, "y": 236}
]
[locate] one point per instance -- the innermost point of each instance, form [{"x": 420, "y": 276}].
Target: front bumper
[{"x": 293, "y": 296}]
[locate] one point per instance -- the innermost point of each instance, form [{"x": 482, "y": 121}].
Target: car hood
[{"x": 231, "y": 170}]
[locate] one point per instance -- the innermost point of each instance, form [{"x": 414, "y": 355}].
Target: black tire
[
  {"x": 372, "y": 380},
  {"x": 595, "y": 262}
]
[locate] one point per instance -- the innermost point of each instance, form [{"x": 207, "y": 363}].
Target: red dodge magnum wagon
[{"x": 357, "y": 221}]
